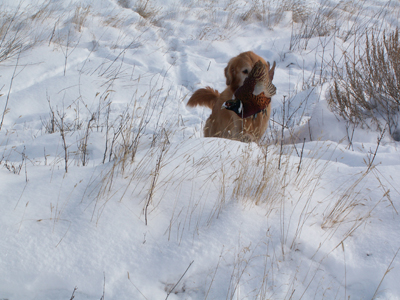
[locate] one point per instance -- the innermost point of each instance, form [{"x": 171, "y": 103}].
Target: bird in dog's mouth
[{"x": 254, "y": 95}]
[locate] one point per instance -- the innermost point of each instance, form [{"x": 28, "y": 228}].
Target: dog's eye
[{"x": 245, "y": 71}]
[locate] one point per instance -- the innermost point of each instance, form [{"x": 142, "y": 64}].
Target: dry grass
[
  {"x": 146, "y": 9},
  {"x": 80, "y": 16},
  {"x": 20, "y": 30},
  {"x": 14, "y": 35},
  {"x": 149, "y": 12},
  {"x": 368, "y": 89}
]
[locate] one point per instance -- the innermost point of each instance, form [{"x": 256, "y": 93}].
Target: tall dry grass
[{"x": 366, "y": 91}]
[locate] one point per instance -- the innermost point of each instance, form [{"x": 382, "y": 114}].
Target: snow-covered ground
[{"x": 110, "y": 191}]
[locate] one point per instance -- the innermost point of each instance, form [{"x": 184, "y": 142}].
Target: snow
[{"x": 169, "y": 213}]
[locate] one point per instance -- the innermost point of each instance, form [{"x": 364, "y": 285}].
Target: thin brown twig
[
  {"x": 179, "y": 280},
  {"x": 136, "y": 287},
  {"x": 9, "y": 90},
  {"x": 301, "y": 155},
  {"x": 376, "y": 149},
  {"x": 73, "y": 293},
  {"x": 384, "y": 275}
]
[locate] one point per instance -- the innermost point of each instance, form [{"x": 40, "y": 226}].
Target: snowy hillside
[{"x": 110, "y": 191}]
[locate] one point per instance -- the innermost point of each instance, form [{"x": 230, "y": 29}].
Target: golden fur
[{"x": 225, "y": 123}]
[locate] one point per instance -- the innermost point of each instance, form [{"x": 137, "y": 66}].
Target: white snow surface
[{"x": 187, "y": 217}]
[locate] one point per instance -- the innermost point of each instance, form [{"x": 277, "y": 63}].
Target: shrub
[{"x": 368, "y": 91}]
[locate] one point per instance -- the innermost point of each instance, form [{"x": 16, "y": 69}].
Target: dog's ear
[
  {"x": 228, "y": 75},
  {"x": 271, "y": 72}
]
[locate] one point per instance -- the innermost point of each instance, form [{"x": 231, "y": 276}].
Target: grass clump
[
  {"x": 80, "y": 16},
  {"x": 13, "y": 35},
  {"x": 367, "y": 91}
]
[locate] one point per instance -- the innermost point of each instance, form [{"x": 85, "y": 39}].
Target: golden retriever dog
[{"x": 225, "y": 123}]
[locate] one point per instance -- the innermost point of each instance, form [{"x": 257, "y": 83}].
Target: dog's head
[{"x": 239, "y": 67}]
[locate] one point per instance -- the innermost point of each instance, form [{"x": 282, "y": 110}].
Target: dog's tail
[{"x": 204, "y": 97}]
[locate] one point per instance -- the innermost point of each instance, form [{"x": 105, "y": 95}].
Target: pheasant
[{"x": 254, "y": 95}]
